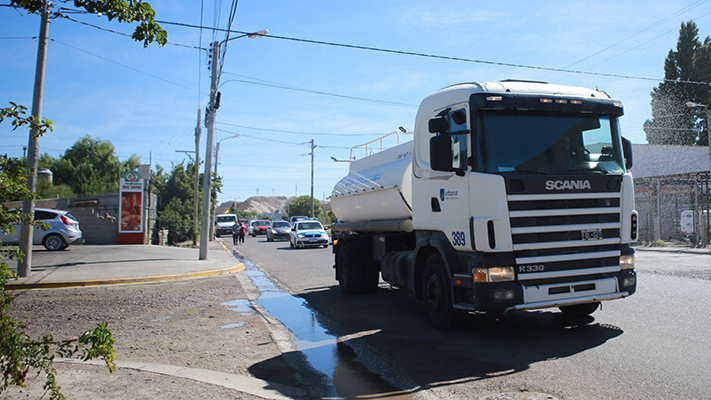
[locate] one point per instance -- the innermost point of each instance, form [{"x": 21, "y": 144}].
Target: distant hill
[
  {"x": 263, "y": 205},
  {"x": 259, "y": 204}
]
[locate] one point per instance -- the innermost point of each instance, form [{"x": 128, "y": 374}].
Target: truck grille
[{"x": 565, "y": 235}]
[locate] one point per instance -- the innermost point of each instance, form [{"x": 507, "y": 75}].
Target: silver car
[
  {"x": 63, "y": 230},
  {"x": 278, "y": 230}
]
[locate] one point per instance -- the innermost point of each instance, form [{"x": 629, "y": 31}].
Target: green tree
[
  {"x": 49, "y": 190},
  {"x": 46, "y": 190},
  {"x": 89, "y": 167},
  {"x": 302, "y": 206},
  {"x": 19, "y": 353},
  {"x": 673, "y": 122},
  {"x": 128, "y": 11},
  {"x": 175, "y": 200}
]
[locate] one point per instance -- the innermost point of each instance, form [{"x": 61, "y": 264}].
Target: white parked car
[
  {"x": 63, "y": 230},
  {"x": 308, "y": 233}
]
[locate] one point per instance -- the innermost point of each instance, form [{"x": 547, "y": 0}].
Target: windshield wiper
[
  {"x": 596, "y": 170},
  {"x": 530, "y": 172}
]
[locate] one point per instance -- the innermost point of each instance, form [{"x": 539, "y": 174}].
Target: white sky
[{"x": 145, "y": 101}]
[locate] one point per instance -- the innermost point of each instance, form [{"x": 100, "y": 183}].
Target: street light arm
[{"x": 261, "y": 34}]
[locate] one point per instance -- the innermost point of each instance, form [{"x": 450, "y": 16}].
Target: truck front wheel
[
  {"x": 350, "y": 276},
  {"x": 437, "y": 293}
]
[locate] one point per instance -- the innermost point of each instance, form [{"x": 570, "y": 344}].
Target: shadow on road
[{"x": 481, "y": 349}]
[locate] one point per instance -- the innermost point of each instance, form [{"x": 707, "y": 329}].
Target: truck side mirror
[
  {"x": 627, "y": 152},
  {"x": 438, "y": 125},
  {"x": 441, "y": 151}
]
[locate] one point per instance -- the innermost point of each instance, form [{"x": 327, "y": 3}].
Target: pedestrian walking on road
[
  {"x": 242, "y": 232},
  {"x": 235, "y": 233}
]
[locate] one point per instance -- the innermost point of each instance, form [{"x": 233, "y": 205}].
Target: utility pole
[
  {"x": 210, "y": 124},
  {"x": 313, "y": 146},
  {"x": 198, "y": 132},
  {"x": 24, "y": 266}
]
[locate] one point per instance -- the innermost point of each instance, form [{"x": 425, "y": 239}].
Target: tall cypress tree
[{"x": 673, "y": 122}]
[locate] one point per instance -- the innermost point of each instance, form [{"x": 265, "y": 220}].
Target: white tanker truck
[{"x": 512, "y": 196}]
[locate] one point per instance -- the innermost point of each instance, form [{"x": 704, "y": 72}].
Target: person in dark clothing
[{"x": 235, "y": 233}]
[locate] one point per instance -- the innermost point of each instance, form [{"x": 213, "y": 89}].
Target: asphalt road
[{"x": 653, "y": 345}]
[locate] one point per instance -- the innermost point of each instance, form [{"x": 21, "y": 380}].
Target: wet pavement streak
[{"x": 325, "y": 352}]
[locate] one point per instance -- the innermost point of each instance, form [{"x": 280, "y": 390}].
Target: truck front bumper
[{"x": 506, "y": 297}]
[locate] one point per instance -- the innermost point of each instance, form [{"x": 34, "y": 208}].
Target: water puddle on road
[{"x": 325, "y": 352}]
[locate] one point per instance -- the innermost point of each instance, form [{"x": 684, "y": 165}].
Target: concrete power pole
[
  {"x": 198, "y": 132},
  {"x": 210, "y": 114},
  {"x": 312, "y": 176},
  {"x": 24, "y": 266}
]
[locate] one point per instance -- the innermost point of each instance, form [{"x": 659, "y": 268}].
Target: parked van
[{"x": 224, "y": 224}]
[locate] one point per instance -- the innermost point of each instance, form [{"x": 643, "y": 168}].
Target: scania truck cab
[{"x": 512, "y": 196}]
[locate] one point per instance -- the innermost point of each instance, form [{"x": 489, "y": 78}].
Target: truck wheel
[
  {"x": 350, "y": 277},
  {"x": 579, "y": 310},
  {"x": 437, "y": 293}
]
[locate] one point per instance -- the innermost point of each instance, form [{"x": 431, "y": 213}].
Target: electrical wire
[
  {"x": 202, "y": 10},
  {"x": 449, "y": 58},
  {"x": 262, "y": 82},
  {"x": 280, "y": 141},
  {"x": 230, "y": 21},
  {"x": 122, "y": 65},
  {"x": 650, "y": 27},
  {"x": 122, "y": 33},
  {"x": 298, "y": 133}
]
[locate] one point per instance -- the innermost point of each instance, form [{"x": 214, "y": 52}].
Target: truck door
[{"x": 450, "y": 203}]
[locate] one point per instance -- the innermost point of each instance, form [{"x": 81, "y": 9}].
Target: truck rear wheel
[
  {"x": 350, "y": 276},
  {"x": 437, "y": 293},
  {"x": 579, "y": 310}
]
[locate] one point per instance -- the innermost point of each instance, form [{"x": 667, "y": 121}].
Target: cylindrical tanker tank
[{"x": 377, "y": 188}]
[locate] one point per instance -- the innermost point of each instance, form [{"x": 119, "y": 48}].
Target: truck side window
[{"x": 460, "y": 139}]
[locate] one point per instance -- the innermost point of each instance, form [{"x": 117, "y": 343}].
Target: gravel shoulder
[{"x": 181, "y": 323}]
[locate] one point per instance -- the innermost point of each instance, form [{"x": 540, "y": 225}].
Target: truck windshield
[{"x": 548, "y": 144}]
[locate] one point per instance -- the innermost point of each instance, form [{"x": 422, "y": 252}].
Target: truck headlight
[
  {"x": 494, "y": 274},
  {"x": 627, "y": 261}
]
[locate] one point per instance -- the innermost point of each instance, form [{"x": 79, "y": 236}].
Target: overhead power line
[
  {"x": 122, "y": 33},
  {"x": 299, "y": 133},
  {"x": 654, "y": 25},
  {"x": 450, "y": 58},
  {"x": 282, "y": 141},
  {"x": 123, "y": 65},
  {"x": 298, "y": 89}
]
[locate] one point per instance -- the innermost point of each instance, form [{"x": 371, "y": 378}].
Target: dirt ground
[{"x": 180, "y": 323}]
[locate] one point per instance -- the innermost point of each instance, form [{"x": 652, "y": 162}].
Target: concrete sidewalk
[{"x": 93, "y": 265}]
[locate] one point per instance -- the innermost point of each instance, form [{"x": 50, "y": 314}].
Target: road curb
[
  {"x": 245, "y": 384},
  {"x": 125, "y": 281}
]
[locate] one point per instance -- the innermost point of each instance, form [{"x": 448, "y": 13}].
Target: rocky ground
[{"x": 184, "y": 323}]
